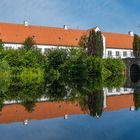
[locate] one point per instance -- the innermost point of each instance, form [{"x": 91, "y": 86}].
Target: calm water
[{"x": 78, "y": 109}]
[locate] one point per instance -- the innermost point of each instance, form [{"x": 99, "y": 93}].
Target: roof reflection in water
[{"x": 45, "y": 110}]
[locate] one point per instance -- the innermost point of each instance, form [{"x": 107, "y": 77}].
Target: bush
[
  {"x": 32, "y": 73},
  {"x": 94, "y": 66},
  {"x": 115, "y": 66},
  {"x": 55, "y": 58},
  {"x": 66, "y": 62},
  {"x": 52, "y": 74},
  {"x": 114, "y": 81},
  {"x": 4, "y": 68},
  {"x": 76, "y": 65},
  {"x": 59, "y": 62},
  {"x": 19, "y": 59}
]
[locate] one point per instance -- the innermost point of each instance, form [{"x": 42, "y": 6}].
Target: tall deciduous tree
[
  {"x": 136, "y": 46},
  {"x": 29, "y": 44},
  {"x": 95, "y": 43}
]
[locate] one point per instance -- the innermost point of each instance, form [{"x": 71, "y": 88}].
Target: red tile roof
[
  {"x": 116, "y": 40},
  {"x": 16, "y": 33},
  {"x": 47, "y": 110},
  {"x": 119, "y": 102},
  {"x": 43, "y": 110}
]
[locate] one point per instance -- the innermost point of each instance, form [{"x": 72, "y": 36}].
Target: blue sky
[{"x": 110, "y": 15}]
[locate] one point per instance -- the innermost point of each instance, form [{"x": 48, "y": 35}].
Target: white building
[
  {"x": 116, "y": 92},
  {"x": 13, "y": 35},
  {"x": 119, "y": 45}
]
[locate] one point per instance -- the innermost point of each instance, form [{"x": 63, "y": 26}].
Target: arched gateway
[{"x": 133, "y": 68}]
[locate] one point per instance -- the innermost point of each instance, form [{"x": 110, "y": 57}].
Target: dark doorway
[{"x": 135, "y": 73}]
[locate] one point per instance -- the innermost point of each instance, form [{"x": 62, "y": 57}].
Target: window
[
  {"x": 125, "y": 53},
  {"x": 125, "y": 89},
  {"x": 109, "y": 90},
  {"x": 47, "y": 50},
  {"x": 39, "y": 49},
  {"x": 131, "y": 53},
  {"x": 8, "y": 48},
  {"x": 109, "y": 53},
  {"x": 117, "y": 53},
  {"x": 117, "y": 89}
]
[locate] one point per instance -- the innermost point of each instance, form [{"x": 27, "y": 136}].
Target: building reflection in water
[
  {"x": 113, "y": 100},
  {"x": 116, "y": 92}
]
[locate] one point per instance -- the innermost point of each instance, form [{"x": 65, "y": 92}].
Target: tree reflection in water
[
  {"x": 136, "y": 98},
  {"x": 93, "y": 103},
  {"x": 87, "y": 91},
  {"x": 56, "y": 90},
  {"x": 27, "y": 92},
  {"x": 134, "y": 82}
]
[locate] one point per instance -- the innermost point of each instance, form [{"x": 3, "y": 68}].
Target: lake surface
[{"x": 77, "y": 109}]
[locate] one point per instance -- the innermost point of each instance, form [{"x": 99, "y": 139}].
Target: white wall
[
  {"x": 42, "y": 47},
  {"x": 121, "y": 51},
  {"x": 129, "y": 51},
  {"x": 13, "y": 46},
  {"x": 104, "y": 46},
  {"x": 118, "y": 91},
  {"x": 105, "y": 53}
]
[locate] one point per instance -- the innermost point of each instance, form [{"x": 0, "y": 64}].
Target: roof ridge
[
  {"x": 117, "y": 33},
  {"x": 41, "y": 26}
]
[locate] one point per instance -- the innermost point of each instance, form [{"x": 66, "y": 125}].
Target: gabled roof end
[{"x": 97, "y": 29}]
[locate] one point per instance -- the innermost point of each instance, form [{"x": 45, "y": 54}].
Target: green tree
[
  {"x": 56, "y": 58},
  {"x": 136, "y": 46},
  {"x": 19, "y": 59},
  {"x": 92, "y": 102},
  {"x": 29, "y": 44},
  {"x": 29, "y": 105},
  {"x": 136, "y": 98},
  {"x": 1, "y": 44},
  {"x": 56, "y": 90},
  {"x": 95, "y": 44},
  {"x": 83, "y": 41},
  {"x": 76, "y": 64},
  {"x": 94, "y": 66},
  {"x": 115, "y": 66}
]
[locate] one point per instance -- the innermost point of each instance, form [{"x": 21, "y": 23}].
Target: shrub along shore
[
  {"x": 58, "y": 62},
  {"x": 53, "y": 74}
]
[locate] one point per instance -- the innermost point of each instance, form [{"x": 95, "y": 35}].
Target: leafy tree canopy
[
  {"x": 93, "y": 43},
  {"x": 136, "y": 46},
  {"x": 29, "y": 44},
  {"x": 1, "y": 44},
  {"x": 83, "y": 41}
]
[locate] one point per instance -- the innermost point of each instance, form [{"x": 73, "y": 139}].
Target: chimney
[
  {"x": 66, "y": 116},
  {"x": 65, "y": 27},
  {"x": 131, "y": 33},
  {"x": 26, "y": 23}
]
